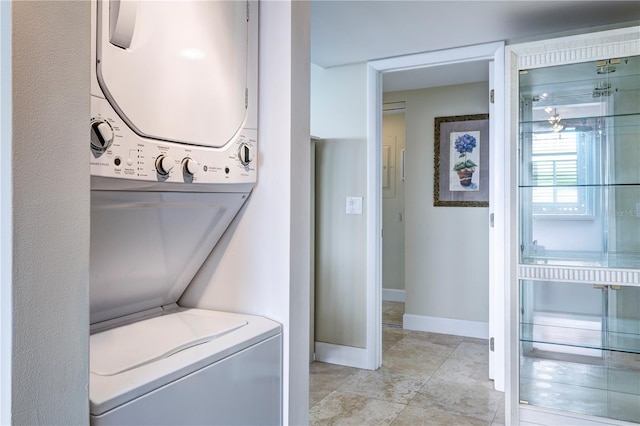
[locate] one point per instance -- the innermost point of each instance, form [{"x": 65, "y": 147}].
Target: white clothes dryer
[{"x": 173, "y": 143}]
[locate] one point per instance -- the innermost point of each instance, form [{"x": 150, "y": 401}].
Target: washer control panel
[{"x": 118, "y": 152}]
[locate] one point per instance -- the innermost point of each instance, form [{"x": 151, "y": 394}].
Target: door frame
[
  {"x": 6, "y": 212},
  {"x": 493, "y": 52}
]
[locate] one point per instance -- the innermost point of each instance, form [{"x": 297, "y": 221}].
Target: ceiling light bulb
[{"x": 548, "y": 110}]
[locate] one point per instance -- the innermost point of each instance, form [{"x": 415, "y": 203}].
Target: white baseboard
[
  {"x": 446, "y": 326},
  {"x": 341, "y": 355},
  {"x": 392, "y": 295}
]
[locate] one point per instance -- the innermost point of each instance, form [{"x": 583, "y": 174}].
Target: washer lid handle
[{"x": 122, "y": 22}]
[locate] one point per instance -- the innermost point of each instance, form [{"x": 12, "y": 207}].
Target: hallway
[{"x": 425, "y": 379}]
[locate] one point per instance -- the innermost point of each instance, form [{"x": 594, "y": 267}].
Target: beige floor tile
[
  {"x": 473, "y": 351},
  {"x": 348, "y": 409},
  {"x": 392, "y": 312},
  {"x": 465, "y": 372},
  {"x": 476, "y": 340},
  {"x": 391, "y": 336},
  {"x": 426, "y": 378},
  {"x": 447, "y": 340},
  {"x": 426, "y": 345},
  {"x": 317, "y": 395},
  {"x": 414, "y": 416},
  {"x": 499, "y": 419},
  {"x": 469, "y": 400},
  {"x": 328, "y": 377},
  {"x": 411, "y": 359},
  {"x": 383, "y": 384}
]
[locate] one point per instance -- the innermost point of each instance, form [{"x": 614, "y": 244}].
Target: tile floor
[
  {"x": 392, "y": 313},
  {"x": 425, "y": 379}
]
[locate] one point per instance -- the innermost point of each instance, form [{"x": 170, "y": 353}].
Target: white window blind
[{"x": 556, "y": 165}]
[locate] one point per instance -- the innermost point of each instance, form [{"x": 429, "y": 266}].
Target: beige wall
[
  {"x": 338, "y": 116},
  {"x": 340, "y": 284},
  {"x": 50, "y": 265},
  {"x": 393, "y": 134},
  {"x": 446, "y": 248}
]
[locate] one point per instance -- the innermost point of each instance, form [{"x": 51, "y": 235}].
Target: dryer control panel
[{"x": 118, "y": 152}]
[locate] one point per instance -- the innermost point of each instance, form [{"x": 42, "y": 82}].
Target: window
[
  {"x": 555, "y": 164},
  {"x": 564, "y": 163}
]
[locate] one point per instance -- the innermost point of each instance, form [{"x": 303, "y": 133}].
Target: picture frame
[{"x": 461, "y": 161}]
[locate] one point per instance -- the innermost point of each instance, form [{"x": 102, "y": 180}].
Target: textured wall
[{"x": 51, "y": 54}]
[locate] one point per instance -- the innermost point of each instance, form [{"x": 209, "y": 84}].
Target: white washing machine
[{"x": 173, "y": 142}]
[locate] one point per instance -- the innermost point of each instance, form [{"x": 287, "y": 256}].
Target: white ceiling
[{"x": 346, "y": 32}]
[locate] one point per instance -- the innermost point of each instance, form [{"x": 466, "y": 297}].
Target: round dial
[
  {"x": 164, "y": 164},
  {"x": 245, "y": 153},
  {"x": 190, "y": 166},
  {"x": 101, "y": 135}
]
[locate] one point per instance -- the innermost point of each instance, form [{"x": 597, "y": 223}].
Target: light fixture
[{"x": 554, "y": 120}]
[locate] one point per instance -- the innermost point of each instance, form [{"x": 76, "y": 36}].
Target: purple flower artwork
[{"x": 465, "y": 159}]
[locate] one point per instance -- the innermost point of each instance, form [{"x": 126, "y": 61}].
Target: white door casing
[{"x": 485, "y": 52}]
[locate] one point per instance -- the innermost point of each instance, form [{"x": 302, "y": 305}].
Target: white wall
[
  {"x": 393, "y": 205},
  {"x": 338, "y": 102},
  {"x": 446, "y": 248},
  {"x": 338, "y": 116},
  {"x": 50, "y": 207},
  {"x": 261, "y": 265}
]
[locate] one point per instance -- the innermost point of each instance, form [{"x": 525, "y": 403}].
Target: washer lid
[
  {"x": 175, "y": 70},
  {"x": 132, "y": 345},
  {"x": 146, "y": 247}
]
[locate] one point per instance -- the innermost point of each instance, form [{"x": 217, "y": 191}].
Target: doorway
[
  {"x": 393, "y": 199},
  {"x": 376, "y": 71}
]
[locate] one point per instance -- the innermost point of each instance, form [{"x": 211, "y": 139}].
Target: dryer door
[{"x": 175, "y": 70}]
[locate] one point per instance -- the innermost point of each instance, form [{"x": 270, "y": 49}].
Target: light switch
[{"x": 354, "y": 205}]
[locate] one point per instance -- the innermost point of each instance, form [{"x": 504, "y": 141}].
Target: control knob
[
  {"x": 164, "y": 164},
  {"x": 101, "y": 135},
  {"x": 245, "y": 153},
  {"x": 190, "y": 166}
]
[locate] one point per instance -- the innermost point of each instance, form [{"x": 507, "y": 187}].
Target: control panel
[{"x": 118, "y": 152}]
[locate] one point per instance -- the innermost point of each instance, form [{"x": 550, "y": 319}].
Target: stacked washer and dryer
[{"x": 173, "y": 143}]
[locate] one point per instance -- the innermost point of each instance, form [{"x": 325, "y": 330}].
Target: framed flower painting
[{"x": 461, "y": 161}]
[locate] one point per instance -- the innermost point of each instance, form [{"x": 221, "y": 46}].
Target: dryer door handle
[{"x": 122, "y": 22}]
